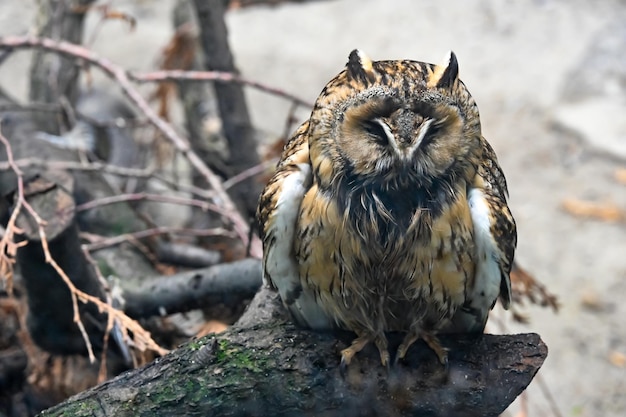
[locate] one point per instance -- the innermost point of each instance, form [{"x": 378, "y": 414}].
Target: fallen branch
[
  {"x": 187, "y": 255},
  {"x": 266, "y": 367},
  {"x": 225, "y": 283}
]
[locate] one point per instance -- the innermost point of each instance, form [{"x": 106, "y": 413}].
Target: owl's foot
[
  {"x": 430, "y": 340},
  {"x": 433, "y": 342},
  {"x": 359, "y": 343},
  {"x": 409, "y": 339}
]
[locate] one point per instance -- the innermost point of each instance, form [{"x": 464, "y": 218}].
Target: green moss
[
  {"x": 235, "y": 356},
  {"x": 196, "y": 344},
  {"x": 83, "y": 408}
]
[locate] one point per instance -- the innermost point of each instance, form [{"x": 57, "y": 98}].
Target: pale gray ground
[{"x": 550, "y": 80}]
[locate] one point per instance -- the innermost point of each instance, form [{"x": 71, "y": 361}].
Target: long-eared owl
[{"x": 388, "y": 209}]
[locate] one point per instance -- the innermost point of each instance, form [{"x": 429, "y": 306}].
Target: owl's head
[{"x": 396, "y": 123}]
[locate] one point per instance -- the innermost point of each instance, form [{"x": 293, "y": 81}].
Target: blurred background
[{"x": 549, "y": 78}]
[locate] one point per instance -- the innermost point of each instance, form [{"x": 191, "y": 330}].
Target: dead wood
[
  {"x": 229, "y": 284},
  {"x": 235, "y": 4},
  {"x": 187, "y": 255},
  {"x": 264, "y": 366},
  {"x": 53, "y": 77},
  {"x": 51, "y": 314},
  {"x": 231, "y": 101}
]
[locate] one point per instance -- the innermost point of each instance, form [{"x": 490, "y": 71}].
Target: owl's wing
[
  {"x": 495, "y": 237},
  {"x": 277, "y": 216}
]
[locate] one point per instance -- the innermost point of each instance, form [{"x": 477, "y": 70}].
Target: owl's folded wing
[
  {"x": 277, "y": 217},
  {"x": 495, "y": 238}
]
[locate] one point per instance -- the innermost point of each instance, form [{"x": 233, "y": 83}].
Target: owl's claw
[
  {"x": 381, "y": 343},
  {"x": 343, "y": 367},
  {"x": 348, "y": 353},
  {"x": 435, "y": 345},
  {"x": 358, "y": 344},
  {"x": 408, "y": 341}
]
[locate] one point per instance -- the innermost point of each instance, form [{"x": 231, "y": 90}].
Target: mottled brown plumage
[{"x": 387, "y": 211}]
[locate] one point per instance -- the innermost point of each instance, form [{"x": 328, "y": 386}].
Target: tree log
[
  {"x": 229, "y": 283},
  {"x": 271, "y": 368},
  {"x": 51, "y": 316}
]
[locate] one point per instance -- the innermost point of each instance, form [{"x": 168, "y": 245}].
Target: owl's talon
[
  {"x": 435, "y": 345},
  {"x": 348, "y": 353},
  {"x": 383, "y": 350},
  {"x": 343, "y": 367},
  {"x": 408, "y": 341}
]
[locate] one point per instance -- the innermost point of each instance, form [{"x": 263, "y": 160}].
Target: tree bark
[
  {"x": 231, "y": 100},
  {"x": 264, "y": 366},
  {"x": 51, "y": 75},
  {"x": 230, "y": 283},
  {"x": 50, "y": 318}
]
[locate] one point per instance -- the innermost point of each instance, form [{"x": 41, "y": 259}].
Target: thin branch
[
  {"x": 116, "y": 240},
  {"x": 79, "y": 166},
  {"x": 217, "y": 76},
  {"x": 8, "y": 248},
  {"x": 182, "y": 145},
  {"x": 250, "y": 172},
  {"x": 42, "y": 107},
  {"x": 22, "y": 203},
  {"x": 545, "y": 390},
  {"x": 109, "y": 169},
  {"x": 204, "y": 205}
]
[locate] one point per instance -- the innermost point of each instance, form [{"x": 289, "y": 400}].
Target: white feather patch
[
  {"x": 487, "y": 284},
  {"x": 280, "y": 261}
]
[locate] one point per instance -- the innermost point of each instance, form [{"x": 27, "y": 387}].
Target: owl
[{"x": 388, "y": 210}]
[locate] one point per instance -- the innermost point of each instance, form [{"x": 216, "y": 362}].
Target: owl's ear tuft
[
  {"x": 359, "y": 67},
  {"x": 446, "y": 74}
]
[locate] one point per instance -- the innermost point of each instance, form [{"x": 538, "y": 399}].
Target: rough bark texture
[
  {"x": 230, "y": 97},
  {"x": 50, "y": 318},
  {"x": 272, "y": 368}
]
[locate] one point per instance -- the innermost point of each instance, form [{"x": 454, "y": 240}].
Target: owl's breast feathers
[{"x": 359, "y": 241}]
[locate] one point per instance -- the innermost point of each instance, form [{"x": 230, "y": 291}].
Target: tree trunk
[
  {"x": 230, "y": 98},
  {"x": 51, "y": 75}
]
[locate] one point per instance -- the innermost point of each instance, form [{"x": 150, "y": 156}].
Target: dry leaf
[
  {"x": 212, "y": 326},
  {"x": 606, "y": 211},
  {"x": 592, "y": 301},
  {"x": 620, "y": 175},
  {"x": 524, "y": 286},
  {"x": 617, "y": 359}
]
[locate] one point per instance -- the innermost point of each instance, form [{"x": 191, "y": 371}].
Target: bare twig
[
  {"x": 8, "y": 246},
  {"x": 116, "y": 240},
  {"x": 545, "y": 390},
  {"x": 204, "y": 205},
  {"x": 217, "y": 76},
  {"x": 79, "y": 166},
  {"x": 250, "y": 172},
  {"x": 42, "y": 107},
  {"x": 182, "y": 145},
  {"x": 22, "y": 203},
  {"x": 109, "y": 169},
  {"x": 8, "y": 249}
]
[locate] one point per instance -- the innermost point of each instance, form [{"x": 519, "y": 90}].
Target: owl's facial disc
[{"x": 405, "y": 137}]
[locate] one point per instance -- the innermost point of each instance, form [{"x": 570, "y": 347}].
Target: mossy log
[{"x": 264, "y": 366}]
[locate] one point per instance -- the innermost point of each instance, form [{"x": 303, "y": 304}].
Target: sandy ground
[{"x": 549, "y": 78}]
